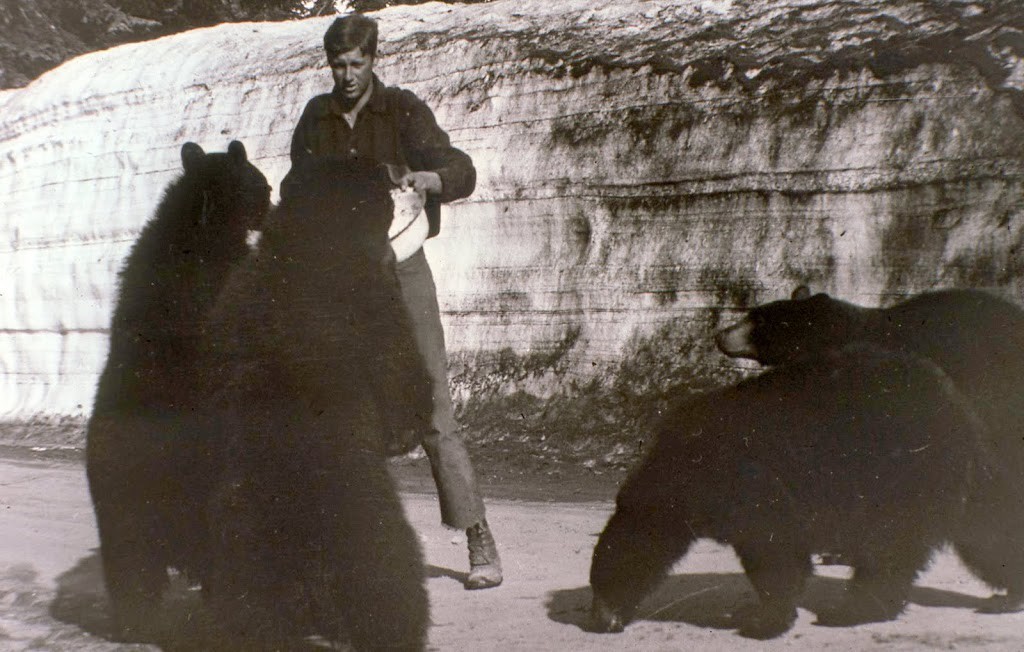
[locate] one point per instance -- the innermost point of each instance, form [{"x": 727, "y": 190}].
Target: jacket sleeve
[
  {"x": 300, "y": 149},
  {"x": 427, "y": 147}
]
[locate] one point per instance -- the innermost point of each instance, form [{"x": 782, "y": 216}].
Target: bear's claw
[{"x": 760, "y": 622}]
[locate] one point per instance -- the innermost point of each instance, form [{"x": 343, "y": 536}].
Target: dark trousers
[{"x": 461, "y": 503}]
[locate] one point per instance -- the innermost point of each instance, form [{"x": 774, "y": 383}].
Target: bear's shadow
[
  {"x": 81, "y": 601},
  {"x": 184, "y": 623},
  {"x": 710, "y": 599}
]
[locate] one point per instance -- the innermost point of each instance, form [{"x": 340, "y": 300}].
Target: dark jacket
[{"x": 394, "y": 127}]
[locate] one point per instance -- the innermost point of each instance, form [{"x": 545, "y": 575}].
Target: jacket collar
[{"x": 377, "y": 102}]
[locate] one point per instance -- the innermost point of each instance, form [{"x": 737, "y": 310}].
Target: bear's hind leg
[
  {"x": 989, "y": 538},
  {"x": 134, "y": 574},
  {"x": 633, "y": 554},
  {"x": 880, "y": 586},
  {"x": 1000, "y": 564},
  {"x": 373, "y": 566}
]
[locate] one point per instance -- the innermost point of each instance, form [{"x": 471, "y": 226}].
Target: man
[{"x": 362, "y": 117}]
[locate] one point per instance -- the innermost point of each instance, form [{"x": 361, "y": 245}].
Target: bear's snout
[{"x": 735, "y": 341}]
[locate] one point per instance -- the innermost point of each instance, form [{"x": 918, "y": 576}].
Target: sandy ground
[{"x": 51, "y": 595}]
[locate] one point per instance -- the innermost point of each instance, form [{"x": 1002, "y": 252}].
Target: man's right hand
[{"x": 423, "y": 182}]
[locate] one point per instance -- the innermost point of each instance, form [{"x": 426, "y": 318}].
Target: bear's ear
[
  {"x": 801, "y": 292},
  {"x": 237, "y": 152},
  {"x": 191, "y": 155}
]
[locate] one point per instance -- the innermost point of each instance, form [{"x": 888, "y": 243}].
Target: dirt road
[{"x": 51, "y": 596}]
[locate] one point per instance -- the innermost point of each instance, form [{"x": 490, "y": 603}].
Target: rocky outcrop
[{"x": 645, "y": 170}]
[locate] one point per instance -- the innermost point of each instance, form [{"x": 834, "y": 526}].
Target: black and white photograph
[{"x": 514, "y": 325}]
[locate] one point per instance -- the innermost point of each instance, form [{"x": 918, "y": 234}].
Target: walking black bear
[
  {"x": 978, "y": 340},
  {"x": 861, "y": 451}
]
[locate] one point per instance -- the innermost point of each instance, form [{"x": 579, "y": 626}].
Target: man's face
[{"x": 352, "y": 72}]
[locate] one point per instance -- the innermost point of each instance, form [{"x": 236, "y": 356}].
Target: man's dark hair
[{"x": 351, "y": 32}]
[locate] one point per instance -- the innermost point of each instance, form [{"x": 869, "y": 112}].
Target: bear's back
[
  {"x": 961, "y": 330},
  {"x": 827, "y": 426}
]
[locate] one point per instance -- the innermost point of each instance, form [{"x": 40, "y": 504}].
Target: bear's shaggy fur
[
  {"x": 864, "y": 452},
  {"x": 976, "y": 338},
  {"x": 140, "y": 464},
  {"x": 312, "y": 377}
]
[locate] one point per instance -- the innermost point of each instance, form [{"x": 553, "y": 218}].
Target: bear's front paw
[
  {"x": 853, "y": 611},
  {"x": 604, "y": 619},
  {"x": 1003, "y": 604},
  {"x": 761, "y": 622}
]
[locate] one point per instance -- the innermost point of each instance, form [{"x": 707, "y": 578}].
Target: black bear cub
[
  {"x": 141, "y": 468},
  {"x": 312, "y": 377},
  {"x": 865, "y": 452},
  {"x": 977, "y": 339}
]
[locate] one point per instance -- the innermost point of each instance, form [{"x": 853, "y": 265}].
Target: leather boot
[{"x": 484, "y": 563}]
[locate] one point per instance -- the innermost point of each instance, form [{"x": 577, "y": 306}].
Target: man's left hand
[{"x": 423, "y": 182}]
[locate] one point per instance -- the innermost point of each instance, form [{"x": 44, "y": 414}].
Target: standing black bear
[
  {"x": 977, "y": 339},
  {"x": 864, "y": 452},
  {"x": 312, "y": 377},
  {"x": 140, "y": 467}
]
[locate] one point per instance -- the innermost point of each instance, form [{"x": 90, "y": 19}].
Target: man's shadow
[{"x": 709, "y": 600}]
